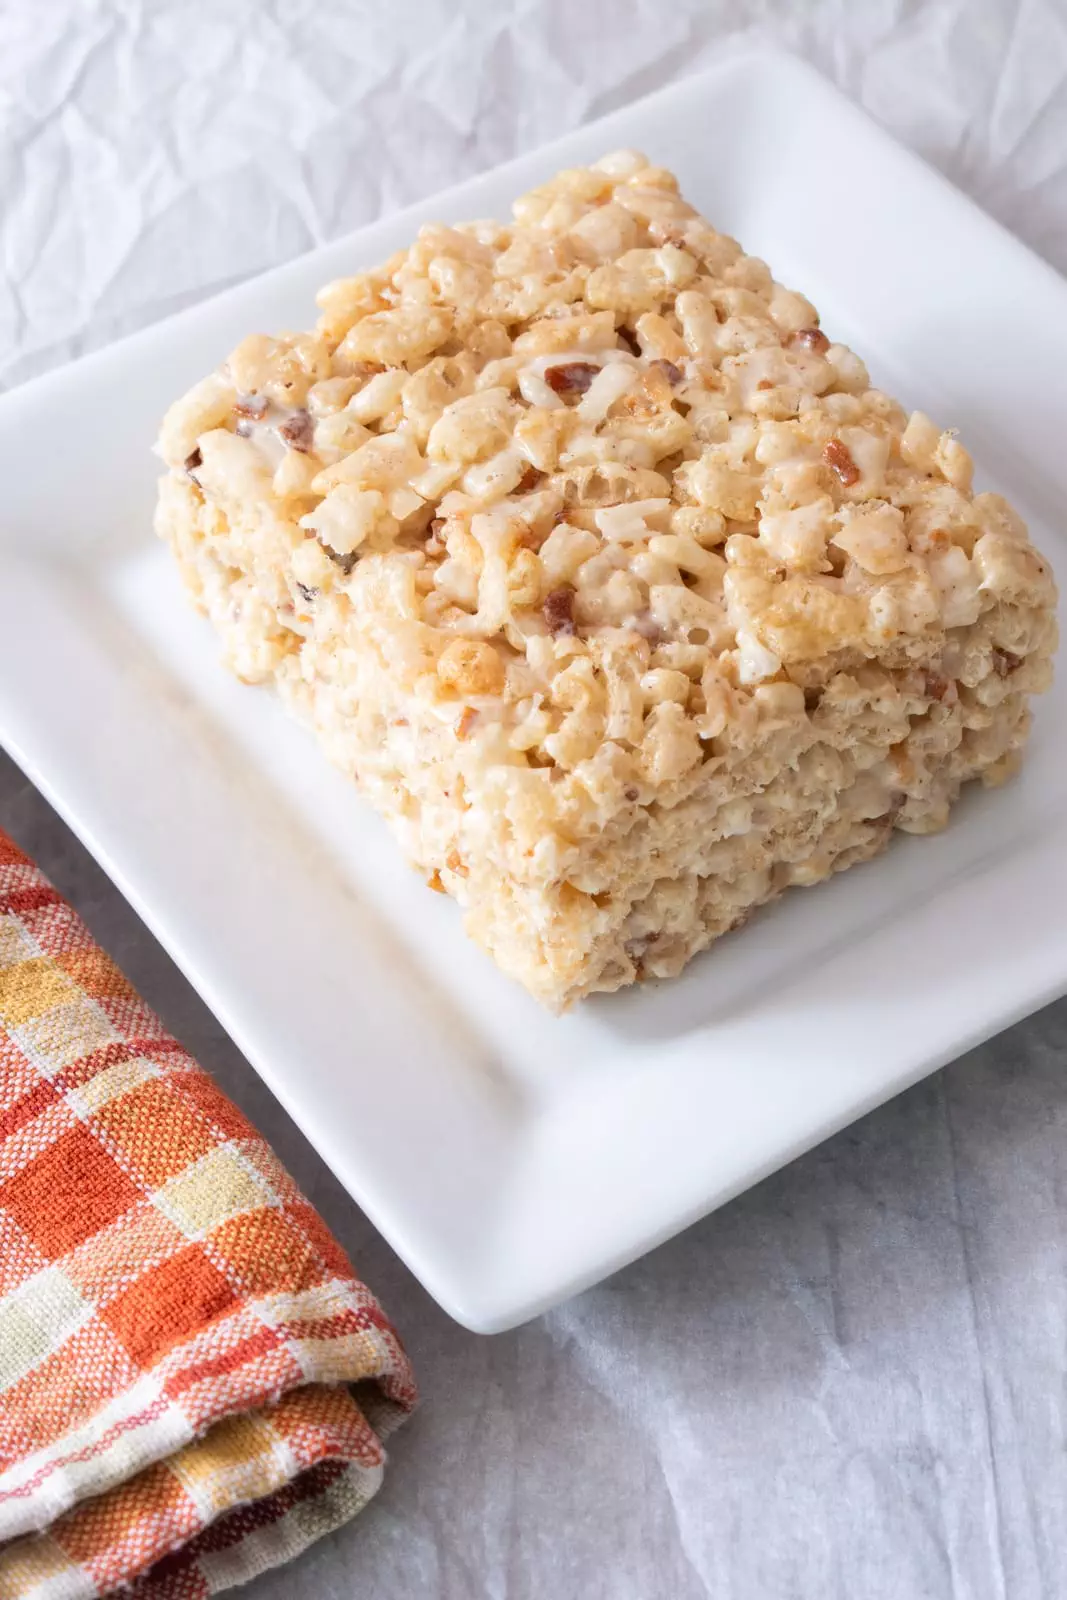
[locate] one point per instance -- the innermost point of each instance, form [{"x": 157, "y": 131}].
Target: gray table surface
[{"x": 850, "y": 1383}]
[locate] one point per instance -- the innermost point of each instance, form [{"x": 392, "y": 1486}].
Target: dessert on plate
[{"x": 606, "y": 573}]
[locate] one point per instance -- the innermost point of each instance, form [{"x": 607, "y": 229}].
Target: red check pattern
[{"x": 179, "y": 1332}]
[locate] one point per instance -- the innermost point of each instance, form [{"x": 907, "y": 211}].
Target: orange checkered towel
[{"x": 194, "y": 1385}]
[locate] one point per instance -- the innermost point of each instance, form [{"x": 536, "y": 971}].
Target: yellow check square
[
  {"x": 32, "y": 987},
  {"x": 240, "y": 1459},
  {"x": 217, "y": 1187},
  {"x": 15, "y": 943}
]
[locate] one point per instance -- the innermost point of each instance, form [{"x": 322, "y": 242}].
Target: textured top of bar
[{"x": 602, "y": 483}]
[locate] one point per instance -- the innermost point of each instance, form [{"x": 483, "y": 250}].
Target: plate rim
[{"x": 473, "y": 1303}]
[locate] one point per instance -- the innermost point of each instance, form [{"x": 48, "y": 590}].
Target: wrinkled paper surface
[{"x": 851, "y": 1382}]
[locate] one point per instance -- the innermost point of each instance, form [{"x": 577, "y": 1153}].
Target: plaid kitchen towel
[{"x": 193, "y": 1383}]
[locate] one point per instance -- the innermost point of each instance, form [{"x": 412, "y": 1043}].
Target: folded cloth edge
[{"x": 278, "y": 1353}]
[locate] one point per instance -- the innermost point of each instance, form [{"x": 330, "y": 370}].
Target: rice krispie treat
[{"x": 605, "y": 572}]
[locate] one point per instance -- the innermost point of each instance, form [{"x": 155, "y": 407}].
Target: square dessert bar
[{"x": 605, "y": 572}]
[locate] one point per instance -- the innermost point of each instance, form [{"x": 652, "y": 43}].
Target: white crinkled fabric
[{"x": 850, "y": 1382}]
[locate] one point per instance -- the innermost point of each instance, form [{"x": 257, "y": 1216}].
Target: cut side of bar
[{"x": 606, "y": 574}]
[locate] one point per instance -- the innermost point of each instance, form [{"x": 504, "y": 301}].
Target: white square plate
[{"x": 511, "y": 1158}]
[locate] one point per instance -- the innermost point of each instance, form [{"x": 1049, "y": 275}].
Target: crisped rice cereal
[{"x": 602, "y": 568}]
